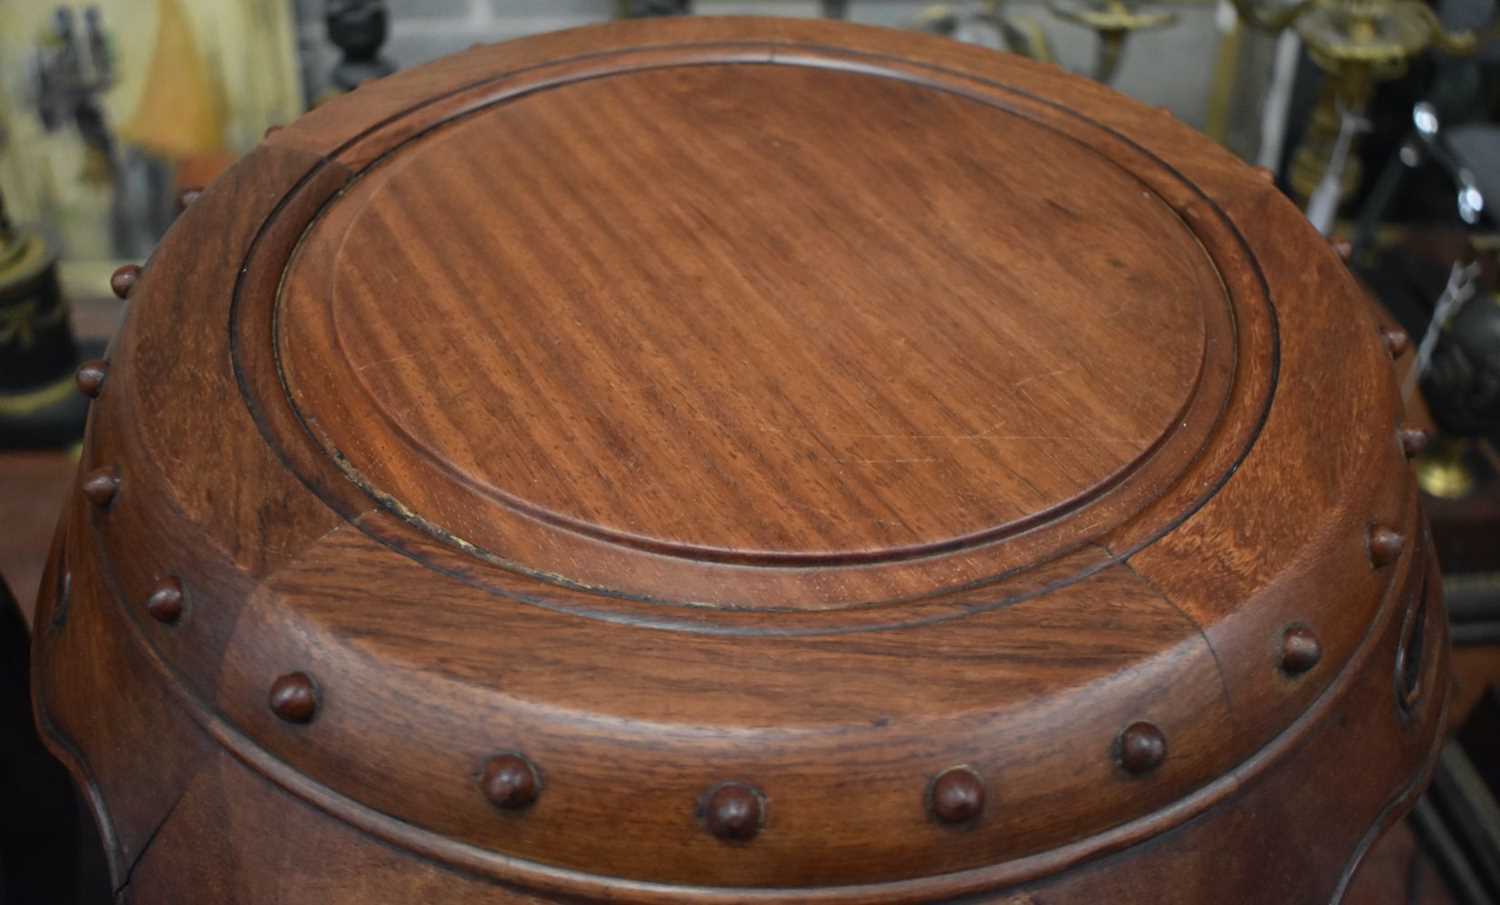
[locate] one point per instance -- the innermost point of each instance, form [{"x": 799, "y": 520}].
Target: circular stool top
[
  {"x": 828, "y": 318},
  {"x": 717, "y": 459}
]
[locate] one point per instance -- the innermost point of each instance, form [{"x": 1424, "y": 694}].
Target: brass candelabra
[
  {"x": 1359, "y": 43},
  {"x": 1113, "y": 21}
]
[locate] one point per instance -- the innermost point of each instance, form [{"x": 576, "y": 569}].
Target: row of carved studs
[{"x": 735, "y": 811}]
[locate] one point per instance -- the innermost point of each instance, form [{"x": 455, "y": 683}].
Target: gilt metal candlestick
[{"x": 1359, "y": 43}]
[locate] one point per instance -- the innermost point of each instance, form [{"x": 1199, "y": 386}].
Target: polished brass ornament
[
  {"x": 1359, "y": 43},
  {"x": 1019, "y": 35},
  {"x": 1113, "y": 22}
]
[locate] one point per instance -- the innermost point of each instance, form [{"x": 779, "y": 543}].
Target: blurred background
[
  {"x": 108, "y": 109},
  {"x": 1377, "y": 117}
]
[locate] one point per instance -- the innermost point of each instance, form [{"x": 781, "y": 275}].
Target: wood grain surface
[
  {"x": 729, "y": 460},
  {"x": 887, "y": 386}
]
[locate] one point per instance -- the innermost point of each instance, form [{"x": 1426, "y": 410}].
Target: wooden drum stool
[{"x": 742, "y": 461}]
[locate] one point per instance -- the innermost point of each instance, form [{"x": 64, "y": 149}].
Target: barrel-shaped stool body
[{"x": 719, "y": 461}]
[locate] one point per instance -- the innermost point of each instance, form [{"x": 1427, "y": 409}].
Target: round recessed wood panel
[{"x": 733, "y": 349}]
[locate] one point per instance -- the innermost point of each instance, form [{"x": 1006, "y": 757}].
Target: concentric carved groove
[
  {"x": 1215, "y": 230},
  {"x": 912, "y": 784},
  {"x": 565, "y": 881}
]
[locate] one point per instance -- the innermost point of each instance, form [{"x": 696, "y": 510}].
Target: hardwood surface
[
  {"x": 1398, "y": 872},
  {"x": 885, "y": 383},
  {"x": 522, "y": 433}
]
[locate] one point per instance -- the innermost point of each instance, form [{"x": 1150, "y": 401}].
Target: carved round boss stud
[
  {"x": 294, "y": 698},
  {"x": 90, "y": 377},
  {"x": 1396, "y": 340},
  {"x": 734, "y": 812},
  {"x": 165, "y": 602},
  {"x": 956, "y": 796},
  {"x": 1300, "y": 650},
  {"x": 1413, "y": 441},
  {"x": 101, "y": 485},
  {"x": 124, "y": 279},
  {"x": 510, "y": 782},
  {"x": 1385, "y": 545},
  {"x": 1142, "y": 748},
  {"x": 187, "y": 196},
  {"x": 818, "y": 514}
]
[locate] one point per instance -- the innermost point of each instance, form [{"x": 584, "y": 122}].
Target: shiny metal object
[{"x": 1358, "y": 43}]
